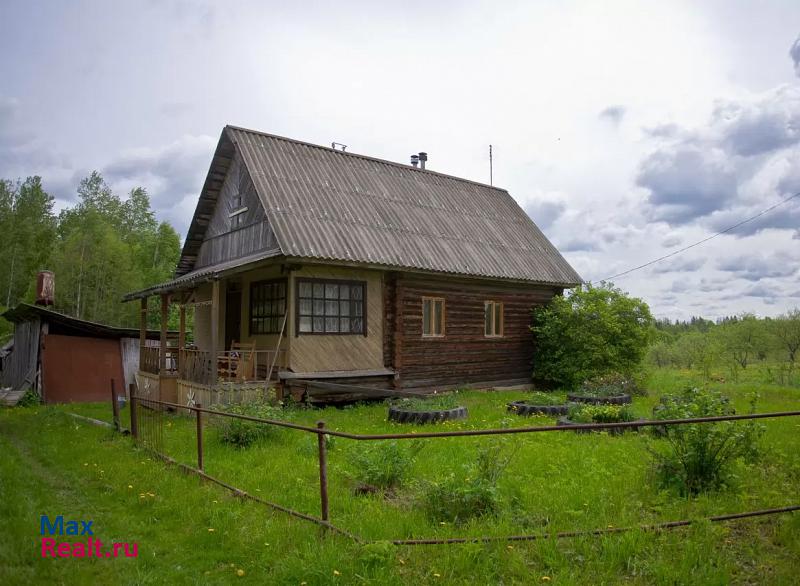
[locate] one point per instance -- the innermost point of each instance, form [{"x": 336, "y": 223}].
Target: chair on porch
[{"x": 239, "y": 363}]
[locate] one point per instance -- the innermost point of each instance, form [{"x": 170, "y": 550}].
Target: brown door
[{"x": 233, "y": 317}]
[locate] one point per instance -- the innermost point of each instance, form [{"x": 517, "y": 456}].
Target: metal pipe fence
[{"x": 147, "y": 430}]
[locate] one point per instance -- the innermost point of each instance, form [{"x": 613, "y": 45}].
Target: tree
[
  {"x": 27, "y": 228},
  {"x": 590, "y": 332},
  {"x": 787, "y": 329}
]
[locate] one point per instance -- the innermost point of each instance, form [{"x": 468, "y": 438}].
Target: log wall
[{"x": 463, "y": 356}]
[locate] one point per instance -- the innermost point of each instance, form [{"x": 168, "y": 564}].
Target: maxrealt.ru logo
[{"x": 92, "y": 547}]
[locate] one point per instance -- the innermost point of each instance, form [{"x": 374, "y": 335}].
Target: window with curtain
[
  {"x": 432, "y": 317},
  {"x": 326, "y": 306},
  {"x": 493, "y": 319}
]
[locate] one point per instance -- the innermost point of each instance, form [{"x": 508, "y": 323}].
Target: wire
[{"x": 703, "y": 241}]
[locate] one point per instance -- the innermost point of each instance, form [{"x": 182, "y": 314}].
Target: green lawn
[{"x": 53, "y": 464}]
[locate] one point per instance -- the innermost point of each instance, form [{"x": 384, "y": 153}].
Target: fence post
[
  {"x": 114, "y": 406},
  {"x": 323, "y": 471},
  {"x": 134, "y": 414},
  {"x": 199, "y": 437}
]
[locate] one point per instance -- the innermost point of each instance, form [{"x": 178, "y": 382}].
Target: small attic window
[{"x": 238, "y": 211}]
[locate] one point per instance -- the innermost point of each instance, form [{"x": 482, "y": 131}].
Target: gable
[{"x": 238, "y": 226}]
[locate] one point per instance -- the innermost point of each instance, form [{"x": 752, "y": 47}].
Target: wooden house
[{"x": 306, "y": 265}]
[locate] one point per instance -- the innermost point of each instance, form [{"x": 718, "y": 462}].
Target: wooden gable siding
[
  {"x": 463, "y": 355},
  {"x": 225, "y": 241}
]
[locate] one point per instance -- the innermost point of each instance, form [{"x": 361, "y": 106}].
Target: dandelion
[
  {"x": 240, "y": 572},
  {"x": 545, "y": 578},
  {"x": 86, "y": 463},
  {"x": 509, "y": 547},
  {"x": 336, "y": 573},
  {"x": 435, "y": 575},
  {"x": 130, "y": 486},
  {"x": 150, "y": 494},
  {"x": 442, "y": 522},
  {"x": 402, "y": 562},
  {"x": 211, "y": 530},
  {"x": 215, "y": 502}
]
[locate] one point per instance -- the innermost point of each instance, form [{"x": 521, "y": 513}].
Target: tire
[
  {"x": 614, "y": 400},
  {"x": 565, "y": 422},
  {"x": 401, "y": 415},
  {"x": 522, "y": 408}
]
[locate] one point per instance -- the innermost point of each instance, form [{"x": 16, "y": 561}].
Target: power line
[{"x": 704, "y": 240}]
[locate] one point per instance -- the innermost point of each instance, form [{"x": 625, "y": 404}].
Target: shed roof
[
  {"x": 332, "y": 205},
  {"x": 71, "y": 325}
]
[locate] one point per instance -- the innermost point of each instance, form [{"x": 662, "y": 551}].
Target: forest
[
  {"x": 99, "y": 248},
  {"x": 732, "y": 344}
]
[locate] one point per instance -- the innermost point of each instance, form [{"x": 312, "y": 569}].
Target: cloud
[
  {"x": 545, "y": 213},
  {"x": 613, "y": 114},
  {"x": 679, "y": 265},
  {"x": 578, "y": 245},
  {"x": 757, "y": 266},
  {"x": 687, "y": 181},
  {"x": 671, "y": 241},
  {"x": 761, "y": 126},
  {"x": 173, "y": 175},
  {"x": 745, "y": 158},
  {"x": 794, "y": 53}
]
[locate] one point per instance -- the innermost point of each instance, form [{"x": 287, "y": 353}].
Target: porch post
[
  {"x": 162, "y": 352},
  {"x": 142, "y": 330},
  {"x": 213, "y": 348},
  {"x": 181, "y": 337}
]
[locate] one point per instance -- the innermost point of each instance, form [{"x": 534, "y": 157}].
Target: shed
[{"x": 66, "y": 359}]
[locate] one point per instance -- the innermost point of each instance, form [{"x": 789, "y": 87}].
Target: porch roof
[{"x": 203, "y": 275}]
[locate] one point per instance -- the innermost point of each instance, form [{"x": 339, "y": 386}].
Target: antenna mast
[{"x": 490, "y": 166}]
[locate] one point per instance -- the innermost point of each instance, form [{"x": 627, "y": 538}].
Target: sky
[{"x": 626, "y": 130}]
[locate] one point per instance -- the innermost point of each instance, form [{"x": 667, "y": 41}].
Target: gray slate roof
[{"x": 337, "y": 206}]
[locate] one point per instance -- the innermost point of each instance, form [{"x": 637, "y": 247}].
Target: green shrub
[
  {"x": 582, "y": 413},
  {"x": 459, "y": 498},
  {"x": 540, "y": 398},
  {"x": 242, "y": 433},
  {"x": 589, "y": 332},
  {"x": 702, "y": 457},
  {"x": 385, "y": 465},
  {"x": 29, "y": 399},
  {"x": 612, "y": 384}
]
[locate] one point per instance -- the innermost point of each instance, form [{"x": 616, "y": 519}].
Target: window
[
  {"x": 493, "y": 319},
  {"x": 432, "y": 317},
  {"x": 267, "y": 307},
  {"x": 325, "y": 306}
]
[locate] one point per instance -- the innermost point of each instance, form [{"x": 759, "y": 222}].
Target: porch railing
[
  {"x": 231, "y": 366},
  {"x": 150, "y": 358}
]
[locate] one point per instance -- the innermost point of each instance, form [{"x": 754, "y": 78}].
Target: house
[
  {"x": 65, "y": 359},
  {"x": 306, "y": 263}
]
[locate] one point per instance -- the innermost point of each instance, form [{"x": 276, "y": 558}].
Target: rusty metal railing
[{"x": 321, "y": 431}]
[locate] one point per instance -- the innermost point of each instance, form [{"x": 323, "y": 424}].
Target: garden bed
[
  {"x": 410, "y": 415},
  {"x": 525, "y": 408},
  {"x": 622, "y": 399},
  {"x": 566, "y": 422}
]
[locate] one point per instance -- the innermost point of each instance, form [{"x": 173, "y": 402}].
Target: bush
[
  {"x": 29, "y": 399},
  {"x": 458, "y": 499},
  {"x": 701, "y": 457},
  {"x": 590, "y": 332},
  {"x": 581, "y": 413},
  {"x": 242, "y": 433},
  {"x": 385, "y": 465},
  {"x": 611, "y": 385}
]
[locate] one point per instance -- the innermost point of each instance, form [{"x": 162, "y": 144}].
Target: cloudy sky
[{"x": 625, "y": 129}]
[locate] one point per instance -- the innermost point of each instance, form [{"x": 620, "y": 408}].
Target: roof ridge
[{"x": 366, "y": 157}]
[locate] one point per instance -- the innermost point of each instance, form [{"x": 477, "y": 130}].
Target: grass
[{"x": 560, "y": 481}]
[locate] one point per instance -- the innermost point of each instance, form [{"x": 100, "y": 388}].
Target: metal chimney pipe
[
  {"x": 414, "y": 161},
  {"x": 423, "y": 157}
]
